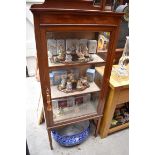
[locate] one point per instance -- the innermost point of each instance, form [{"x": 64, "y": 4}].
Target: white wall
[{"x": 30, "y": 39}]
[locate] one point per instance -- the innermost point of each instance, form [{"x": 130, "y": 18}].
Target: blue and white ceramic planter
[{"x": 66, "y": 137}]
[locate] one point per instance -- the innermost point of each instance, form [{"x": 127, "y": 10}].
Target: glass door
[{"x": 74, "y": 61}]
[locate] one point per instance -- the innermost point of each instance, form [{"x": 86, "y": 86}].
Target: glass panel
[
  {"x": 76, "y": 63},
  {"x": 74, "y": 106}
]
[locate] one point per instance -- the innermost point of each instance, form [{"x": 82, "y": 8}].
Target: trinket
[
  {"x": 114, "y": 122},
  {"x": 63, "y": 83},
  {"x": 79, "y": 84},
  {"x": 69, "y": 86},
  {"x": 68, "y": 58}
]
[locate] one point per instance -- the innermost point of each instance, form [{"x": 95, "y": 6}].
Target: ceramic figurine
[
  {"x": 61, "y": 54},
  {"x": 126, "y": 116},
  {"x": 55, "y": 59},
  {"x": 85, "y": 81},
  {"x": 68, "y": 57},
  {"x": 79, "y": 85},
  {"x": 81, "y": 56},
  {"x": 114, "y": 122},
  {"x": 74, "y": 84},
  {"x": 86, "y": 53},
  {"x": 69, "y": 86},
  {"x": 63, "y": 83},
  {"x": 91, "y": 57},
  {"x": 70, "y": 76},
  {"x": 120, "y": 119},
  {"x": 74, "y": 55}
]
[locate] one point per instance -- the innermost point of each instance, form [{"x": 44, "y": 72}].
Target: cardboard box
[
  {"x": 60, "y": 44},
  {"x": 92, "y": 46},
  {"x": 56, "y": 76},
  {"x": 90, "y": 74},
  {"x": 52, "y": 47}
]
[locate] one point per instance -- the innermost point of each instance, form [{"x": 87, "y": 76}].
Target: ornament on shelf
[
  {"x": 63, "y": 83},
  {"x": 68, "y": 57},
  {"x": 79, "y": 84},
  {"x": 69, "y": 86}
]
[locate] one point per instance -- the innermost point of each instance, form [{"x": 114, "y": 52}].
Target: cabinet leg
[
  {"x": 97, "y": 127},
  {"x": 50, "y": 138}
]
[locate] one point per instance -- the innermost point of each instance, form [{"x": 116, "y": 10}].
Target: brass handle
[{"x": 49, "y": 107}]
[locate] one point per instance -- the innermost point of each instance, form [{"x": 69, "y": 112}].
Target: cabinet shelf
[
  {"x": 97, "y": 60},
  {"x": 83, "y": 110},
  {"x": 119, "y": 127},
  {"x": 59, "y": 94}
]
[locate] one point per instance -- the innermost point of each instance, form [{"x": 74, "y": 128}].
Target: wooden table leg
[
  {"x": 50, "y": 138},
  {"x": 108, "y": 112}
]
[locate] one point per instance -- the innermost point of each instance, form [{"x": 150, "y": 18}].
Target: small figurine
[
  {"x": 81, "y": 56},
  {"x": 91, "y": 57},
  {"x": 85, "y": 51},
  {"x": 85, "y": 81},
  {"x": 79, "y": 85},
  {"x": 74, "y": 84},
  {"x": 126, "y": 116},
  {"x": 74, "y": 55},
  {"x": 69, "y": 86},
  {"x": 68, "y": 56},
  {"x": 59, "y": 57},
  {"x": 114, "y": 122},
  {"x": 70, "y": 76},
  {"x": 63, "y": 83},
  {"x": 55, "y": 59},
  {"x": 120, "y": 119}
]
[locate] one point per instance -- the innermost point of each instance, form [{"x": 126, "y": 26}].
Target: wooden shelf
[
  {"x": 117, "y": 128},
  {"x": 97, "y": 60},
  {"x": 89, "y": 108},
  {"x": 59, "y": 94}
]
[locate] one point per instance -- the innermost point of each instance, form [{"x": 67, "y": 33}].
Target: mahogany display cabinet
[{"x": 69, "y": 37}]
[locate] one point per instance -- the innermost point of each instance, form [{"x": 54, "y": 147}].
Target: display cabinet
[{"x": 69, "y": 37}]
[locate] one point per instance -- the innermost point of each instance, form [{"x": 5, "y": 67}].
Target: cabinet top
[{"x": 71, "y": 6}]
